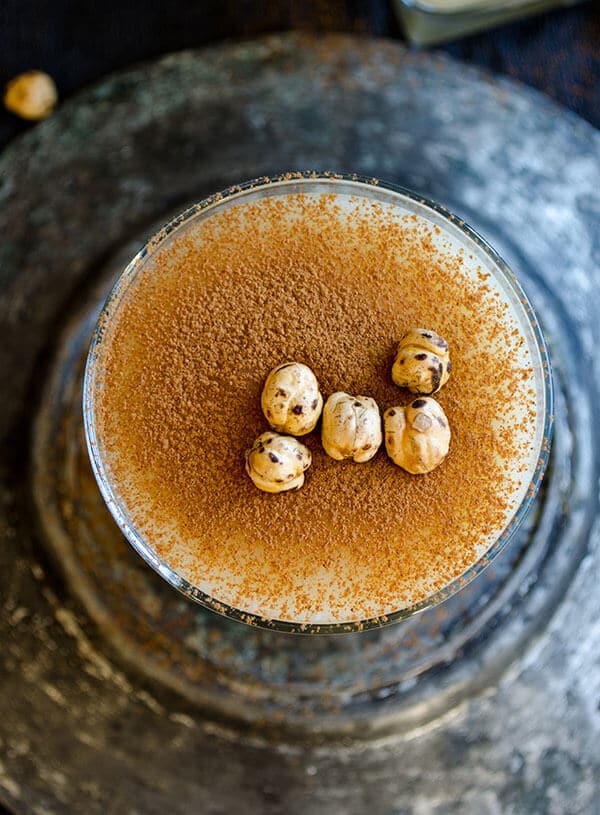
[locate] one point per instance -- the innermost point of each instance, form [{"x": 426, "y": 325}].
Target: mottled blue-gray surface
[{"x": 504, "y": 717}]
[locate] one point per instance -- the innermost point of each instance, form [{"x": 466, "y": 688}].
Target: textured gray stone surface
[{"x": 508, "y": 724}]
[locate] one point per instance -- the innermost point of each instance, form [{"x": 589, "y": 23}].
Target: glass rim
[{"x": 143, "y": 548}]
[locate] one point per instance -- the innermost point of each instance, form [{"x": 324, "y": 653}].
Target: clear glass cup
[{"x": 379, "y": 191}]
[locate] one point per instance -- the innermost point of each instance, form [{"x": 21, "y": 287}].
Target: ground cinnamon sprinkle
[{"x": 183, "y": 366}]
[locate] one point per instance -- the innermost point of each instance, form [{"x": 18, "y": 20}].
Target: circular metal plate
[{"x": 157, "y": 683}]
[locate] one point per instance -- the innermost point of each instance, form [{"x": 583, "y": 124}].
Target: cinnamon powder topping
[{"x": 183, "y": 364}]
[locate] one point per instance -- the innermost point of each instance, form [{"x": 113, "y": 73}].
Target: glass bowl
[{"x": 386, "y": 193}]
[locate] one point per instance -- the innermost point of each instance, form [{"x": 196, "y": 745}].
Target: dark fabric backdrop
[{"x": 78, "y": 41}]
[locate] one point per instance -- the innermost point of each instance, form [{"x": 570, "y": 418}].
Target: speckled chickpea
[
  {"x": 291, "y": 400},
  {"x": 351, "y": 427},
  {"x": 31, "y": 95},
  {"x": 277, "y": 463},
  {"x": 422, "y": 362},
  {"x": 417, "y": 437}
]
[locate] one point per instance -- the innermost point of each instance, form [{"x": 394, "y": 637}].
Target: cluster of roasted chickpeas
[{"x": 417, "y": 435}]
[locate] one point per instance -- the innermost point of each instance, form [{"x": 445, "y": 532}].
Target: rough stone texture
[{"x": 507, "y": 722}]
